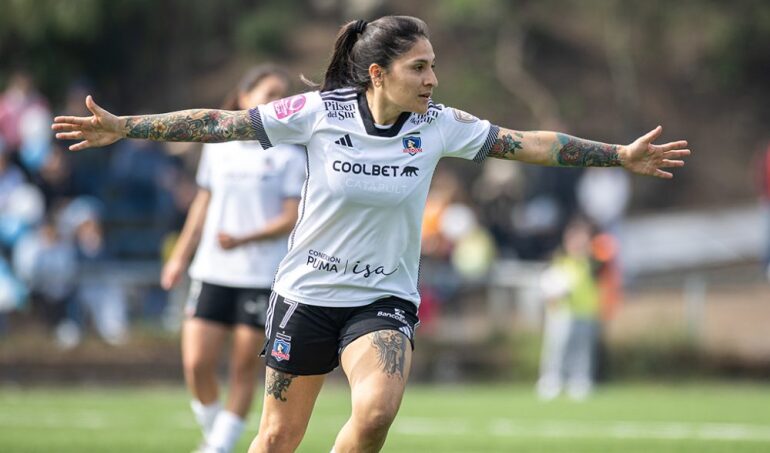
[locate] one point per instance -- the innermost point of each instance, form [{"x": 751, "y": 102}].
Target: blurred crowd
[
  {"x": 515, "y": 212},
  {"x": 65, "y": 215}
]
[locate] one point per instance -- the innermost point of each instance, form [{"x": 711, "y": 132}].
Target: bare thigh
[
  {"x": 202, "y": 342},
  {"x": 377, "y": 367}
]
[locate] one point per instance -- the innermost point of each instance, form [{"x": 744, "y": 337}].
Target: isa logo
[
  {"x": 281, "y": 349},
  {"x": 288, "y": 106},
  {"x": 412, "y": 145}
]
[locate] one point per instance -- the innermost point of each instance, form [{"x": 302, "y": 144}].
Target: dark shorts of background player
[
  {"x": 308, "y": 339},
  {"x": 228, "y": 305}
]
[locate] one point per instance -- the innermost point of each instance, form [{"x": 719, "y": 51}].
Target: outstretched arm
[
  {"x": 557, "y": 149},
  {"x": 200, "y": 125}
]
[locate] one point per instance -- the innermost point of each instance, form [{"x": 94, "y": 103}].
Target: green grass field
[{"x": 646, "y": 418}]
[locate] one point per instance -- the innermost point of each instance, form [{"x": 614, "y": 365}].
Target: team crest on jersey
[
  {"x": 412, "y": 144},
  {"x": 464, "y": 117},
  {"x": 288, "y": 106},
  {"x": 281, "y": 349}
]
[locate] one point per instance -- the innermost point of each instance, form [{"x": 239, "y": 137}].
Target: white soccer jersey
[
  {"x": 248, "y": 186},
  {"x": 358, "y": 235}
]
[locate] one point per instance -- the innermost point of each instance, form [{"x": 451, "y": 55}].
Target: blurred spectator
[
  {"x": 499, "y": 188},
  {"x": 139, "y": 168},
  {"x": 104, "y": 300},
  {"x": 23, "y": 209},
  {"x": 55, "y": 178},
  {"x": 537, "y": 223},
  {"x": 141, "y": 205},
  {"x": 12, "y": 291},
  {"x": 457, "y": 251},
  {"x": 78, "y": 173},
  {"x": 10, "y": 176},
  {"x": 24, "y": 121},
  {"x": 603, "y": 195},
  {"x": 47, "y": 263},
  {"x": 473, "y": 248},
  {"x": 438, "y": 280},
  {"x": 571, "y": 318},
  {"x": 763, "y": 170}
]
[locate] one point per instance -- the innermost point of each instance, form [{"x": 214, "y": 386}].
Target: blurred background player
[{"x": 239, "y": 221}]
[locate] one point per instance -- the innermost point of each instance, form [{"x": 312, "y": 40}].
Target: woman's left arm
[
  {"x": 557, "y": 149},
  {"x": 278, "y": 226}
]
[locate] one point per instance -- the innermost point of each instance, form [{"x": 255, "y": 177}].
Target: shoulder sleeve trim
[
  {"x": 488, "y": 143},
  {"x": 259, "y": 129}
]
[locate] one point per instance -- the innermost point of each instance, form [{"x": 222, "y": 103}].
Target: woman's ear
[{"x": 375, "y": 74}]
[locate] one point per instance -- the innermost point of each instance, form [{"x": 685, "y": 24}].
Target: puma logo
[{"x": 409, "y": 171}]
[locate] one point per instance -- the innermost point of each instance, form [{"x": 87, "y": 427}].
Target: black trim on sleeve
[
  {"x": 259, "y": 129},
  {"x": 487, "y": 146}
]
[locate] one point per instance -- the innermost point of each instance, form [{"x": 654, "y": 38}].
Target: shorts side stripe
[{"x": 269, "y": 314}]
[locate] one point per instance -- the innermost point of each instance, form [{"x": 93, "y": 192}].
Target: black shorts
[
  {"x": 227, "y": 305},
  {"x": 308, "y": 339}
]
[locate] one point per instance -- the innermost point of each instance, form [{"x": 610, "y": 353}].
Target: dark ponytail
[
  {"x": 251, "y": 79},
  {"x": 360, "y": 44}
]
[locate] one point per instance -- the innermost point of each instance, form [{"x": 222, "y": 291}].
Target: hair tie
[{"x": 360, "y": 26}]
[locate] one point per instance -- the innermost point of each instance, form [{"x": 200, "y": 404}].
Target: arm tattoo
[
  {"x": 391, "y": 351},
  {"x": 505, "y": 147},
  {"x": 571, "y": 151},
  {"x": 209, "y": 126},
  {"x": 276, "y": 383}
]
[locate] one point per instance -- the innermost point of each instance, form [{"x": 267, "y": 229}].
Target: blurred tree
[{"x": 604, "y": 68}]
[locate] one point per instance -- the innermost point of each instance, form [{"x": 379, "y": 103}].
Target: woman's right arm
[
  {"x": 188, "y": 241},
  {"x": 198, "y": 125}
]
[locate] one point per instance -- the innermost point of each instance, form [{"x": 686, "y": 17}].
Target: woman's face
[
  {"x": 270, "y": 88},
  {"x": 409, "y": 82},
  {"x": 577, "y": 240}
]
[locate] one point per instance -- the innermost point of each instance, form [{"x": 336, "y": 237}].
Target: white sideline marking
[
  {"x": 584, "y": 429},
  {"x": 421, "y": 426}
]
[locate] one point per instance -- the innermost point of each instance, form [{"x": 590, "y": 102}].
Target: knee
[
  {"x": 245, "y": 368},
  {"x": 277, "y": 438},
  {"x": 374, "y": 423},
  {"x": 197, "y": 365}
]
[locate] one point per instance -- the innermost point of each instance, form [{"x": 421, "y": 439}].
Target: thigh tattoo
[
  {"x": 391, "y": 351},
  {"x": 276, "y": 383}
]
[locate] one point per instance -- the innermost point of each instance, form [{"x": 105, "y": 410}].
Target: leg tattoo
[
  {"x": 391, "y": 351},
  {"x": 276, "y": 383}
]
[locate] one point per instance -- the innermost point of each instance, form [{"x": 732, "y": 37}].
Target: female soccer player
[
  {"x": 346, "y": 292},
  {"x": 240, "y": 220}
]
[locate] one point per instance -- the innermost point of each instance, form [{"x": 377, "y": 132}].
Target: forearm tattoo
[
  {"x": 276, "y": 383},
  {"x": 391, "y": 351},
  {"x": 505, "y": 147},
  {"x": 575, "y": 152},
  {"x": 209, "y": 126}
]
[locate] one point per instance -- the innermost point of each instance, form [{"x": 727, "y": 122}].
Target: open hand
[
  {"x": 645, "y": 158},
  {"x": 101, "y": 129},
  {"x": 172, "y": 273}
]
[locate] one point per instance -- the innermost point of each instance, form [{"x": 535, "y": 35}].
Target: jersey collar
[{"x": 371, "y": 129}]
